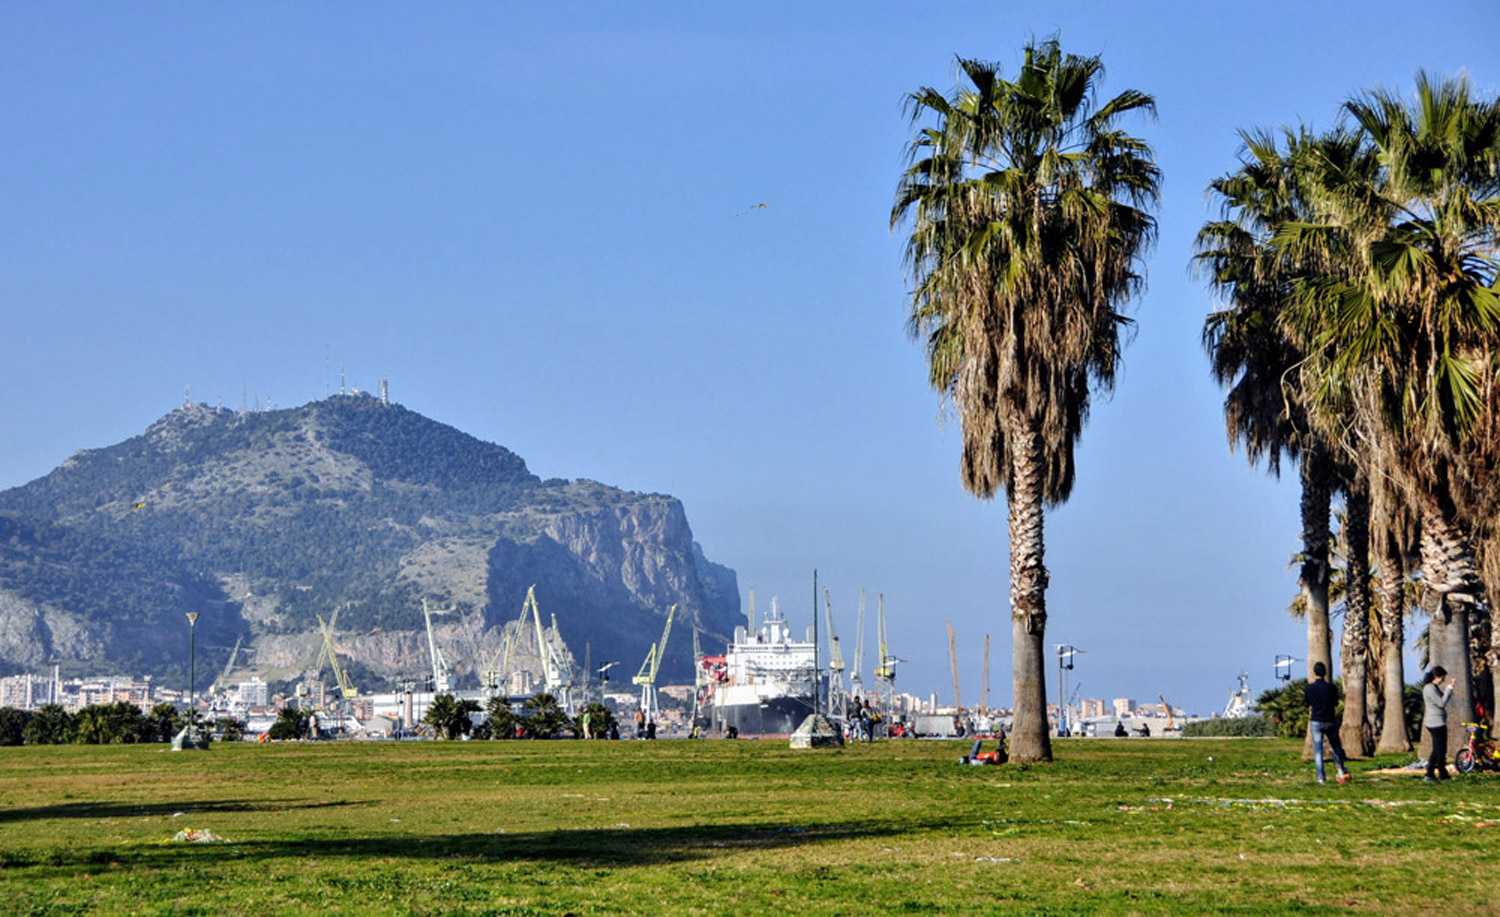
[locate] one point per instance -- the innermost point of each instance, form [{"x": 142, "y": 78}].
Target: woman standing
[{"x": 1437, "y": 690}]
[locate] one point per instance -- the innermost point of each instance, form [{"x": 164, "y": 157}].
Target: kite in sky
[{"x": 750, "y": 209}]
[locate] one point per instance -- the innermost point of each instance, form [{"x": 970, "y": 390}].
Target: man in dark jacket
[{"x": 1322, "y": 698}]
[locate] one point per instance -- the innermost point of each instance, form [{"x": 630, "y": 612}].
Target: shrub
[
  {"x": 13, "y": 725},
  {"x": 601, "y": 718},
  {"x": 1256, "y": 726},
  {"x": 51, "y": 725},
  {"x": 291, "y": 723},
  {"x": 1287, "y": 708}
]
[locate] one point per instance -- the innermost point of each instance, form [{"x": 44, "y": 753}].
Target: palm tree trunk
[
  {"x": 1029, "y": 739},
  {"x": 1354, "y": 657},
  {"x": 1493, "y": 657},
  {"x": 1393, "y": 735},
  {"x": 1317, "y": 498},
  {"x": 1448, "y": 572}
]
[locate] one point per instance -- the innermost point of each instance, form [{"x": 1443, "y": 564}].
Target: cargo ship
[{"x": 763, "y": 685}]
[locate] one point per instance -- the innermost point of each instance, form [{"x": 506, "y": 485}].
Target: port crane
[
  {"x": 558, "y": 673},
  {"x": 856, "y": 686},
  {"x": 441, "y": 683},
  {"x": 958, "y": 704},
  {"x": 886, "y": 670},
  {"x": 223, "y": 680},
  {"x": 835, "y": 663},
  {"x": 984, "y": 683},
  {"x": 499, "y": 668},
  {"x": 346, "y": 689},
  {"x": 646, "y": 678}
]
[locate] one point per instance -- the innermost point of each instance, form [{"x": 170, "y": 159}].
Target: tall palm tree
[
  {"x": 1028, "y": 214},
  {"x": 1403, "y": 322},
  {"x": 1254, "y": 357},
  {"x": 1355, "y": 731},
  {"x": 1393, "y": 533}
]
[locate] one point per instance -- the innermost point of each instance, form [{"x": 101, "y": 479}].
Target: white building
[{"x": 254, "y": 693}]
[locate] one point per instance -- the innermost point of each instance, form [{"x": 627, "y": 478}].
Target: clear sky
[{"x": 532, "y": 219}]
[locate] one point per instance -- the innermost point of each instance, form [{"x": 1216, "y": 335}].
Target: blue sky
[{"x": 530, "y": 219}]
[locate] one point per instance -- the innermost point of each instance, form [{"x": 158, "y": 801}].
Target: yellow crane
[
  {"x": 885, "y": 667},
  {"x": 345, "y": 688},
  {"x": 499, "y": 667},
  {"x": 1166, "y": 708},
  {"x": 885, "y": 671},
  {"x": 646, "y": 677}
]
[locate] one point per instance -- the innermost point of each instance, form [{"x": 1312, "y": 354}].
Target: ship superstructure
[{"x": 764, "y": 684}]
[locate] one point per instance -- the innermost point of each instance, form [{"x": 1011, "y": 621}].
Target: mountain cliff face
[{"x": 346, "y": 507}]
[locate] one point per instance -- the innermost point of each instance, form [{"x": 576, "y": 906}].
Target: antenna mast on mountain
[{"x": 385, "y": 394}]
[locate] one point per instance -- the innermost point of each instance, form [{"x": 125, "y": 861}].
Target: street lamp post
[
  {"x": 192, "y": 617},
  {"x": 1065, "y": 654}
]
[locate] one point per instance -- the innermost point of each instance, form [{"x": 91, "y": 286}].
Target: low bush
[{"x": 1246, "y": 726}]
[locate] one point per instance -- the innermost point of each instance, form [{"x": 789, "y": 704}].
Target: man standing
[
  {"x": 1321, "y": 701},
  {"x": 1437, "y": 690}
]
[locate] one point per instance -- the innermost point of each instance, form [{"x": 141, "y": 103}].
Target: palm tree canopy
[
  {"x": 1407, "y": 309},
  {"x": 1251, "y": 352},
  {"x": 1028, "y": 215}
]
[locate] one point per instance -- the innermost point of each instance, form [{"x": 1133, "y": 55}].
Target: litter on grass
[
  {"x": 1166, "y": 803},
  {"x": 198, "y": 836}
]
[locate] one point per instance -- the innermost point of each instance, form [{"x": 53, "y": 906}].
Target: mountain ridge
[{"x": 265, "y": 520}]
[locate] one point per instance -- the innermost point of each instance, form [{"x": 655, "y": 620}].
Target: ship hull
[{"x": 774, "y": 716}]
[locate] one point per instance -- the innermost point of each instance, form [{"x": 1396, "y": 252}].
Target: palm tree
[
  {"x": 1402, "y": 322},
  {"x": 501, "y": 719},
  {"x": 546, "y": 717},
  {"x": 1394, "y": 538},
  {"x": 449, "y": 717},
  {"x": 1355, "y": 731},
  {"x": 1027, "y": 207},
  {"x": 1255, "y": 358}
]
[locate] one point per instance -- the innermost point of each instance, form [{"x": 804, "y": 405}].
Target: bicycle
[{"x": 1479, "y": 753}]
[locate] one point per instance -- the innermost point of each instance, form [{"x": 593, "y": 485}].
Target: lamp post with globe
[{"x": 190, "y": 737}]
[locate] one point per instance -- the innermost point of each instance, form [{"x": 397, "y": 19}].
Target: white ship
[{"x": 764, "y": 684}]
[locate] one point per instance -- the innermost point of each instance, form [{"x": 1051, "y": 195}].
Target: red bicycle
[{"x": 1479, "y": 753}]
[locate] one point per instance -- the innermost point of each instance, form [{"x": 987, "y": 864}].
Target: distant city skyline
[{"x": 650, "y": 246}]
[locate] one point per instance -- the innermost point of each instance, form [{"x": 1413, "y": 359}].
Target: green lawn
[{"x": 727, "y": 828}]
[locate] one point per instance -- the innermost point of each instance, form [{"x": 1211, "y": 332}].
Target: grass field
[{"x": 1115, "y": 826}]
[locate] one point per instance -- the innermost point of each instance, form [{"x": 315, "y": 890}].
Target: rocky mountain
[{"x": 349, "y": 508}]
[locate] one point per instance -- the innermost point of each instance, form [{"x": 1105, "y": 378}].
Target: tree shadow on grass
[
  {"x": 146, "y": 810},
  {"x": 599, "y": 847}
]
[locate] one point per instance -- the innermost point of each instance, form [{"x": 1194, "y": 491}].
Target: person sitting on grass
[{"x": 1321, "y": 700}]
